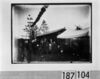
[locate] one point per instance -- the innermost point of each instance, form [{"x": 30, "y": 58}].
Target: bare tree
[{"x": 44, "y": 27}]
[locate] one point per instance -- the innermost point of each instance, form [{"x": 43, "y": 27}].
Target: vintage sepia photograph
[{"x": 51, "y": 32}]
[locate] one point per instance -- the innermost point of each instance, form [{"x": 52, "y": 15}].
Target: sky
[{"x": 56, "y": 16}]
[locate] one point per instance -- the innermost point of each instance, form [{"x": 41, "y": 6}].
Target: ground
[{"x": 59, "y": 50}]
